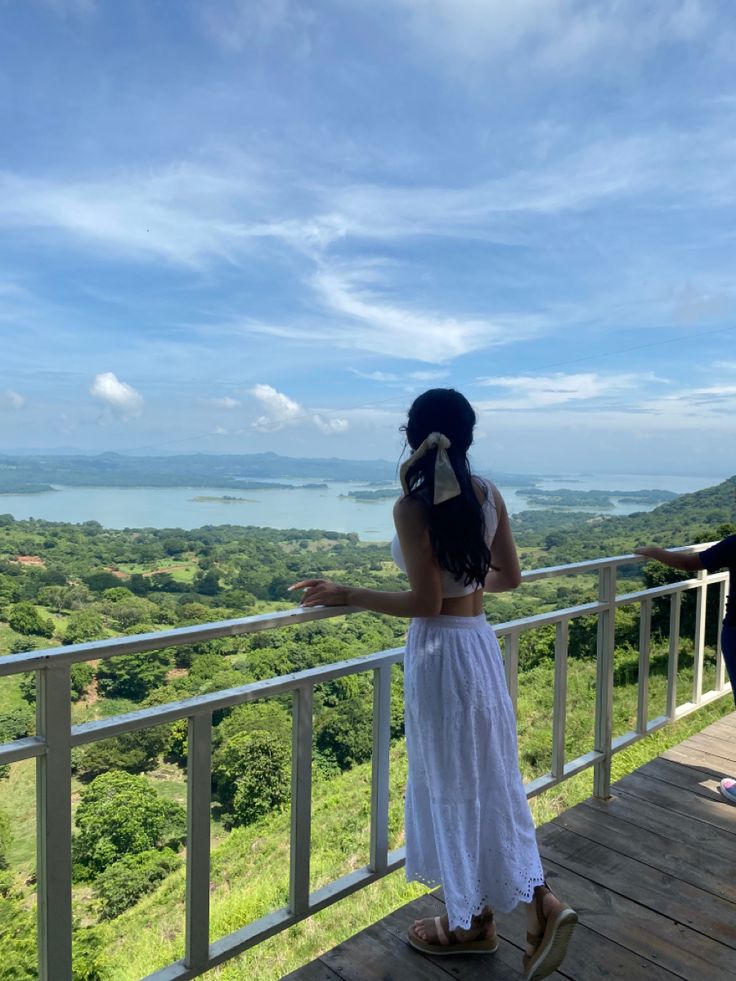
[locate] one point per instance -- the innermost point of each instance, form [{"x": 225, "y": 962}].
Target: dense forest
[{"x": 62, "y": 584}]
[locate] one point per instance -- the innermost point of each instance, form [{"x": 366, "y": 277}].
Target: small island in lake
[
  {"x": 380, "y": 494},
  {"x": 225, "y": 499},
  {"x": 603, "y": 500}
]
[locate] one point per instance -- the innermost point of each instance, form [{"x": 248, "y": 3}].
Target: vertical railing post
[
  {"x": 604, "y": 682},
  {"x": 559, "y": 717},
  {"x": 511, "y": 665},
  {"x": 674, "y": 655},
  {"x": 199, "y": 786},
  {"x": 720, "y": 666},
  {"x": 645, "y": 631},
  {"x": 301, "y": 800},
  {"x": 54, "y": 823},
  {"x": 380, "y": 768},
  {"x": 699, "y": 648}
]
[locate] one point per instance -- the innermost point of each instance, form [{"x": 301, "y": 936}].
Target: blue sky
[{"x": 248, "y": 225}]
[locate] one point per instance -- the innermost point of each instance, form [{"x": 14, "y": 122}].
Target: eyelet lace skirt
[{"x": 468, "y": 824}]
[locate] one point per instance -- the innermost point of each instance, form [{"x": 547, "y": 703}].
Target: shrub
[
  {"x": 24, "y": 618},
  {"x": 123, "y": 883}
]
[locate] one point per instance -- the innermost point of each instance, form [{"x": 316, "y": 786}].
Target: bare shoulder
[{"x": 410, "y": 514}]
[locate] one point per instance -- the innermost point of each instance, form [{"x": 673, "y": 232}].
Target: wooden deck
[{"x": 651, "y": 873}]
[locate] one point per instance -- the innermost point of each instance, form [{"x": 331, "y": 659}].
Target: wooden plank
[
  {"x": 713, "y": 766},
  {"x": 653, "y": 817},
  {"x": 712, "y": 809},
  {"x": 650, "y": 935},
  {"x": 656, "y": 894},
  {"x": 714, "y": 745},
  {"x": 590, "y": 956},
  {"x": 377, "y": 955},
  {"x": 316, "y": 971},
  {"x": 690, "y": 864}
]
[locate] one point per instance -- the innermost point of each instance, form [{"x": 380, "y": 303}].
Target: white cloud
[
  {"x": 281, "y": 411},
  {"x": 116, "y": 394},
  {"x": 528, "y": 392},
  {"x": 226, "y": 402},
  {"x": 553, "y": 34},
  {"x": 11, "y": 399}
]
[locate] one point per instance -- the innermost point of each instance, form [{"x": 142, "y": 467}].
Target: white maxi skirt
[{"x": 468, "y": 824}]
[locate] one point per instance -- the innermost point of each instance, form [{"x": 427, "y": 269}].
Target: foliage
[
  {"x": 84, "y": 626},
  {"x": 123, "y": 883},
  {"x": 120, "y": 814},
  {"x": 5, "y": 836},
  {"x": 24, "y": 618},
  {"x": 251, "y": 775},
  {"x": 132, "y": 675},
  {"x": 134, "y": 752}
]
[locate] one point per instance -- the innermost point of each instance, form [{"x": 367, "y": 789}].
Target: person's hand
[
  {"x": 648, "y": 551},
  {"x": 321, "y": 592}
]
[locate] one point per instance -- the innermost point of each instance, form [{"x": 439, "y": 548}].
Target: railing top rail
[{"x": 200, "y": 633}]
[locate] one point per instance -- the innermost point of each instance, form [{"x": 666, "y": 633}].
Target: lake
[{"x": 329, "y": 508}]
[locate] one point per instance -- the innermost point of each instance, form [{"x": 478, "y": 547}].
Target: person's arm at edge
[
  {"x": 505, "y": 572},
  {"x": 424, "y": 596},
  {"x": 685, "y": 561}
]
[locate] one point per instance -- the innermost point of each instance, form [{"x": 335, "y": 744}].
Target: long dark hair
[{"x": 456, "y": 527}]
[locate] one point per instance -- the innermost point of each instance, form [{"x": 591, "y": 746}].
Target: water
[{"x": 329, "y": 509}]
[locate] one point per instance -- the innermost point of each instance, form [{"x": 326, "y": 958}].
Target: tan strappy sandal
[
  {"x": 550, "y": 946},
  {"x": 448, "y": 941}
]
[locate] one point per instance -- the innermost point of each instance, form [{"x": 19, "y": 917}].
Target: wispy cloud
[
  {"x": 381, "y": 326},
  {"x": 226, "y": 402},
  {"x": 11, "y": 399},
  {"x": 530, "y": 392},
  {"x": 555, "y": 34}
]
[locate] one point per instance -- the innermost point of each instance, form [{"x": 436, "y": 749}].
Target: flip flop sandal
[{"x": 450, "y": 943}]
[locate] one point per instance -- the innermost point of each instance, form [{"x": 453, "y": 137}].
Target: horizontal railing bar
[
  {"x": 159, "y": 639},
  {"x": 157, "y": 715},
  {"x": 623, "y": 599},
  {"x": 593, "y": 565},
  {"x": 546, "y": 619},
  {"x": 547, "y": 780},
  {"x": 22, "y": 749}
]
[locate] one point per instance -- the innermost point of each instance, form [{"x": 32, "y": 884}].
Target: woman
[
  {"x": 718, "y": 556},
  {"x": 468, "y": 825}
]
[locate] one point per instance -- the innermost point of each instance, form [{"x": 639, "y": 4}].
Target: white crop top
[{"x": 452, "y": 587}]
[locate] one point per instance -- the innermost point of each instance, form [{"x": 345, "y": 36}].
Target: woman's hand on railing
[{"x": 322, "y": 592}]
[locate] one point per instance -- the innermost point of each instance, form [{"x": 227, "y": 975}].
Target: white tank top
[{"x": 452, "y": 587}]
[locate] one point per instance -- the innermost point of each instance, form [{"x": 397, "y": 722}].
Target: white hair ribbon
[{"x": 446, "y": 484}]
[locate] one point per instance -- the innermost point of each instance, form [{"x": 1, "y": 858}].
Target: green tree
[
  {"x": 134, "y": 752},
  {"x": 84, "y": 626},
  {"x": 122, "y": 814},
  {"x": 24, "y": 618},
  {"x": 251, "y": 774},
  {"x": 132, "y": 675}
]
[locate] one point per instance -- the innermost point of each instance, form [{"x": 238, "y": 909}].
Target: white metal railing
[{"x": 56, "y": 737}]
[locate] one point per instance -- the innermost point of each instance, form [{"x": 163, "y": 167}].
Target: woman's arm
[
  {"x": 424, "y": 596},
  {"x": 505, "y": 572},
  {"x": 686, "y": 561}
]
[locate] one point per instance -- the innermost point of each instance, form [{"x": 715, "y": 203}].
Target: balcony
[{"x": 56, "y": 737}]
